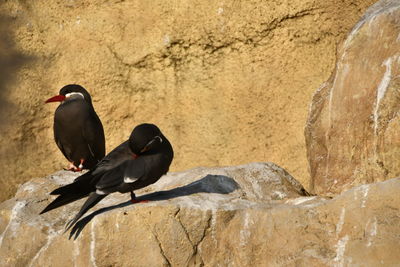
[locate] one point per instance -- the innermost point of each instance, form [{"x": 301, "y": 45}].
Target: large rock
[
  {"x": 353, "y": 130},
  {"x": 229, "y": 82},
  {"x": 250, "y": 215}
]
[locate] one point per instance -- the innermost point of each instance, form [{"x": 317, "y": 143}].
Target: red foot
[
  {"x": 135, "y": 201},
  {"x": 73, "y": 168}
]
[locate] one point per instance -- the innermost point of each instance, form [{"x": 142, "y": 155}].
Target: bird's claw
[{"x": 73, "y": 168}]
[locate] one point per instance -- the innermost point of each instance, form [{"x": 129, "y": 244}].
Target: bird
[
  {"x": 78, "y": 131},
  {"x": 136, "y": 163}
]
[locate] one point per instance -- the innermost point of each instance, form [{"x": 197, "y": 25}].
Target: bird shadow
[{"x": 218, "y": 184}]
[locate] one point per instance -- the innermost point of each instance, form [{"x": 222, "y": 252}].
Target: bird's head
[
  {"x": 70, "y": 92},
  {"x": 145, "y": 138}
]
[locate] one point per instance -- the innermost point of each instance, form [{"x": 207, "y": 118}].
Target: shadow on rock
[{"x": 218, "y": 184}]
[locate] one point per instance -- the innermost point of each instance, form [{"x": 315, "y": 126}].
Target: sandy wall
[{"x": 228, "y": 82}]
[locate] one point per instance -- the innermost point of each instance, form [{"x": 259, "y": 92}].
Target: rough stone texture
[
  {"x": 249, "y": 215},
  {"x": 352, "y": 132},
  {"x": 229, "y": 82}
]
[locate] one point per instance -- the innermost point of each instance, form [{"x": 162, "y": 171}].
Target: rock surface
[
  {"x": 353, "y": 130},
  {"x": 249, "y": 215},
  {"x": 231, "y": 78}
]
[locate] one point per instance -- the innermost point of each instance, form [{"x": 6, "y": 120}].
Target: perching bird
[
  {"x": 78, "y": 131},
  {"x": 134, "y": 164}
]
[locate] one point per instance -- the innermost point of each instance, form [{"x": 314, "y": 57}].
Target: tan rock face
[
  {"x": 249, "y": 215},
  {"x": 352, "y": 133},
  {"x": 228, "y": 82}
]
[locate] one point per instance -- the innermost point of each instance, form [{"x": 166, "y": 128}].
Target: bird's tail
[
  {"x": 92, "y": 200},
  {"x": 82, "y": 183},
  {"x": 71, "y": 192}
]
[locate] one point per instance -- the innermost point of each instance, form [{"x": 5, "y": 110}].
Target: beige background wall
[{"x": 228, "y": 82}]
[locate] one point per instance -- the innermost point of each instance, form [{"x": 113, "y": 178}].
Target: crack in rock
[{"x": 157, "y": 239}]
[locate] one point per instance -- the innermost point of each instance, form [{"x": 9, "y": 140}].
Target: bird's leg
[
  {"x": 71, "y": 167},
  {"x": 80, "y": 167},
  {"x": 135, "y": 201},
  {"x": 133, "y": 196}
]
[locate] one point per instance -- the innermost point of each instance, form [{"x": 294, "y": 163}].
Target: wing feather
[
  {"x": 93, "y": 134},
  {"x": 127, "y": 172}
]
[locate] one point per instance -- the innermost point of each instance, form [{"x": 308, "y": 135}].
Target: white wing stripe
[
  {"x": 129, "y": 180},
  {"x": 99, "y": 192}
]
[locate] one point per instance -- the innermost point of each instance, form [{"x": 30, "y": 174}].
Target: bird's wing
[
  {"x": 60, "y": 146},
  {"x": 134, "y": 170},
  {"x": 93, "y": 134},
  {"x": 127, "y": 172},
  {"x": 113, "y": 159}
]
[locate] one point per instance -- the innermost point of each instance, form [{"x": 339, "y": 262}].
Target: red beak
[{"x": 57, "y": 98}]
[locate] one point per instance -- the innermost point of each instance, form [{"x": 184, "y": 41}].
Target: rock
[
  {"x": 234, "y": 216},
  {"x": 228, "y": 82},
  {"x": 353, "y": 129}
]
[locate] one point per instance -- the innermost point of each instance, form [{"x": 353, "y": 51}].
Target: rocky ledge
[{"x": 255, "y": 214}]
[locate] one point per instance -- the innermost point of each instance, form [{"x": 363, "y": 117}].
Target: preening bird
[
  {"x": 134, "y": 164},
  {"x": 78, "y": 131}
]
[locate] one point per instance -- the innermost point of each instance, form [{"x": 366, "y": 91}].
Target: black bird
[
  {"x": 78, "y": 131},
  {"x": 134, "y": 164}
]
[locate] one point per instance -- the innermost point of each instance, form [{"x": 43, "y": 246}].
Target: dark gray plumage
[
  {"x": 134, "y": 164},
  {"x": 78, "y": 131}
]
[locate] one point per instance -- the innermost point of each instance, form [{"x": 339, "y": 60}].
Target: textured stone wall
[
  {"x": 228, "y": 82},
  {"x": 353, "y": 129}
]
